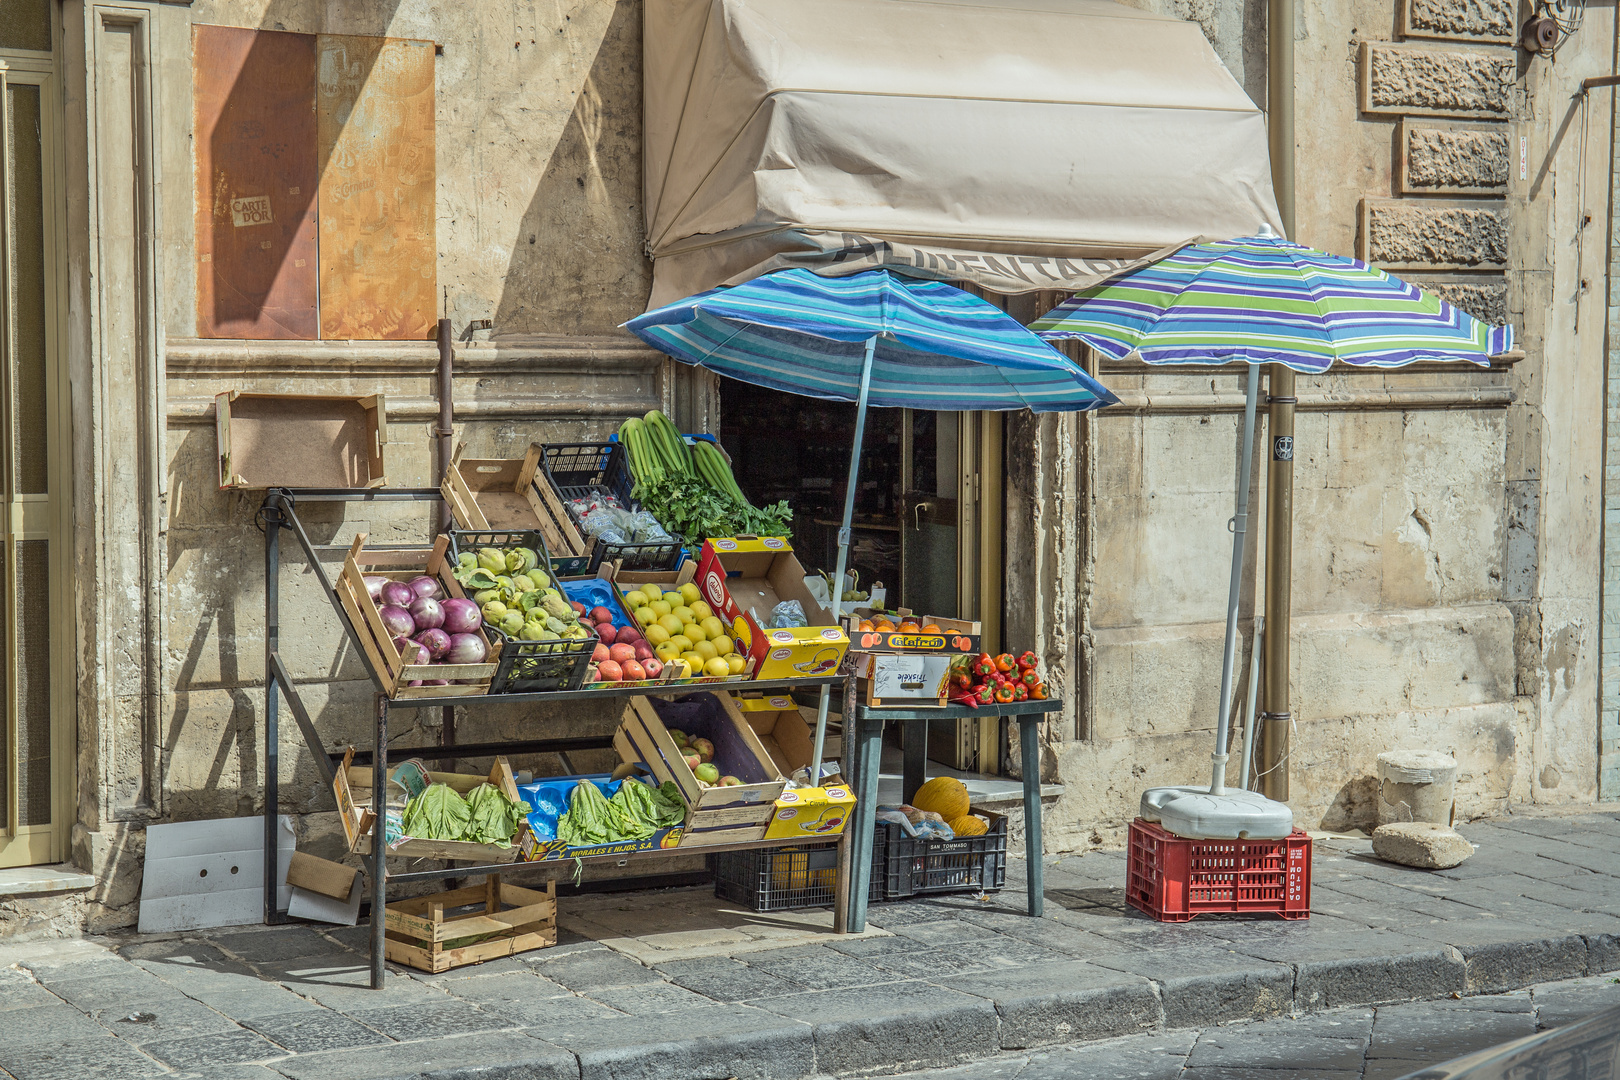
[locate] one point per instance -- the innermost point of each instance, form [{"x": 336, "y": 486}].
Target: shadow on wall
[
  {"x": 577, "y": 262},
  {"x": 1354, "y": 807}
]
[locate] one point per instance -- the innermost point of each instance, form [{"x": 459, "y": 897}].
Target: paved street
[
  {"x": 1340, "y": 1044},
  {"x": 675, "y": 985}
]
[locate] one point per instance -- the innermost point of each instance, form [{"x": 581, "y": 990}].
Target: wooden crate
[
  {"x": 300, "y": 440},
  {"x": 380, "y": 651},
  {"x": 956, "y": 637},
  {"x": 420, "y": 935},
  {"x": 715, "y": 815},
  {"x": 500, "y": 494},
  {"x": 357, "y": 812}
]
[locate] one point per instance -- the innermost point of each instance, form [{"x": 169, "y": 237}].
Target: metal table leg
[
  {"x": 1029, "y": 728},
  {"x": 379, "y": 844},
  {"x": 272, "y": 732},
  {"x": 847, "y": 845},
  {"x": 914, "y": 758},
  {"x": 870, "y": 734}
]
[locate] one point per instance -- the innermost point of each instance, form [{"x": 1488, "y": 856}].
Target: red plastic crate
[{"x": 1174, "y": 879}]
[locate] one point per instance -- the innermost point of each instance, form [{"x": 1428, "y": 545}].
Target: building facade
[{"x": 1449, "y": 557}]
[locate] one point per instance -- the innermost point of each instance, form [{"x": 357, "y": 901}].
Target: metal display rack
[{"x": 280, "y": 511}]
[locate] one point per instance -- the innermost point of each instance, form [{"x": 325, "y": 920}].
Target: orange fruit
[
  {"x": 910, "y": 627},
  {"x": 866, "y": 624},
  {"x": 932, "y": 628}
]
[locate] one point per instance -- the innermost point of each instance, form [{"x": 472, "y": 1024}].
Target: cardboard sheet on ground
[{"x": 210, "y": 873}]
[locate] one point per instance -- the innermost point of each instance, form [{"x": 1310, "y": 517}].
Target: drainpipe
[{"x": 1275, "y": 718}]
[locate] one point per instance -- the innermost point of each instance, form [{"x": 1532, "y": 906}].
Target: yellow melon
[
  {"x": 968, "y": 825},
  {"x": 944, "y": 795}
]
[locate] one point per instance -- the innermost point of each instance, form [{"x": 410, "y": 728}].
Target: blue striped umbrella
[
  {"x": 1264, "y": 300},
  {"x": 874, "y": 338},
  {"x": 934, "y": 346}
]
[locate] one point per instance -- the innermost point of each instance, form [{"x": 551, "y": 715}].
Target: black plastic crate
[
  {"x": 785, "y": 878},
  {"x": 918, "y": 867},
  {"x": 525, "y": 667},
  {"x": 473, "y": 539},
  {"x": 583, "y": 470}
]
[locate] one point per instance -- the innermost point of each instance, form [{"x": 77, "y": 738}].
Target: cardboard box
[
  {"x": 716, "y": 815},
  {"x": 394, "y": 674},
  {"x": 300, "y": 440},
  {"x": 500, "y": 494},
  {"x": 904, "y": 680},
  {"x": 743, "y": 579},
  {"x": 959, "y": 637},
  {"x": 804, "y": 812},
  {"x": 357, "y": 810}
]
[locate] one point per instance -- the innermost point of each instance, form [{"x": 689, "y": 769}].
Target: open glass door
[
  {"x": 950, "y": 548},
  {"x": 35, "y": 662}
]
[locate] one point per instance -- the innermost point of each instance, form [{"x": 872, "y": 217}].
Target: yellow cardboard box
[
  {"x": 804, "y": 812},
  {"x": 743, "y": 578}
]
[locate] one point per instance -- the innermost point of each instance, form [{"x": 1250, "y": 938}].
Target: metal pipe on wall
[{"x": 1276, "y": 721}]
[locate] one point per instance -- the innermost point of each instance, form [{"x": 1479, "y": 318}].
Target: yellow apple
[
  {"x": 674, "y": 599},
  {"x": 667, "y": 651},
  {"x": 682, "y": 642},
  {"x": 671, "y": 623},
  {"x": 717, "y": 666},
  {"x": 694, "y": 660},
  {"x": 635, "y": 598},
  {"x": 691, "y": 592},
  {"x": 657, "y": 635},
  {"x": 713, "y": 627},
  {"x": 701, "y": 611},
  {"x": 694, "y": 631},
  {"x": 723, "y": 645},
  {"x": 683, "y": 613},
  {"x": 706, "y": 650},
  {"x": 646, "y": 616},
  {"x": 736, "y": 663},
  {"x": 662, "y": 607}
]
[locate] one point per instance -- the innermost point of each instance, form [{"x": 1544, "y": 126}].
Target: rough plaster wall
[
  {"x": 1425, "y": 594},
  {"x": 539, "y": 149}
]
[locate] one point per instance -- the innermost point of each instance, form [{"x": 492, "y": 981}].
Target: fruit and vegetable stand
[{"x": 280, "y": 511}]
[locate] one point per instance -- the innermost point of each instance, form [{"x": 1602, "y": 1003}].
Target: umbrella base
[{"x": 1235, "y": 815}]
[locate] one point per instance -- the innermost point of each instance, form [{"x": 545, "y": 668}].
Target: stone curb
[{"x": 1066, "y": 1003}]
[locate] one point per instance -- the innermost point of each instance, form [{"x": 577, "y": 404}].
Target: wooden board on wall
[
  {"x": 256, "y": 183},
  {"x": 378, "y": 254}
]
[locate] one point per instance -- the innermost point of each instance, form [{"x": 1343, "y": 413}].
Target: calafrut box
[{"x": 743, "y": 579}]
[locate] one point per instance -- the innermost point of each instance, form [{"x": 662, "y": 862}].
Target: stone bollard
[{"x": 1416, "y": 785}]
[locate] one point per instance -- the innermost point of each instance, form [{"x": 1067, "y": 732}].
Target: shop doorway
[
  {"x": 928, "y": 510},
  {"x": 36, "y": 646}
]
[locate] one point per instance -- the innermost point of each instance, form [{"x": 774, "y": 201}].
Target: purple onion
[
  {"x": 428, "y": 613},
  {"x": 426, "y": 586},
  {"x": 460, "y": 616},
  {"x": 466, "y": 649},
  {"x": 397, "y": 621},
  {"x": 435, "y": 641},
  {"x": 374, "y": 584},
  {"x": 397, "y": 594},
  {"x": 410, "y": 651},
  {"x": 428, "y": 682}
]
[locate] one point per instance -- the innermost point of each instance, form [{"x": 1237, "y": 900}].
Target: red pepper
[
  {"x": 1029, "y": 660},
  {"x": 1004, "y": 694},
  {"x": 1038, "y": 691},
  {"x": 962, "y": 680},
  {"x": 984, "y": 666},
  {"x": 1020, "y": 692},
  {"x": 1005, "y": 662},
  {"x": 986, "y": 695},
  {"x": 1029, "y": 678}
]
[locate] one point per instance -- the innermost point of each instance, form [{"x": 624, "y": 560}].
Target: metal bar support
[
  {"x": 379, "y": 845},
  {"x": 1029, "y": 730},
  {"x": 272, "y": 519}
]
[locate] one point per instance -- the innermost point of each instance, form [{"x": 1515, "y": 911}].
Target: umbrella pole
[
  {"x": 1240, "y": 525},
  {"x": 843, "y": 554}
]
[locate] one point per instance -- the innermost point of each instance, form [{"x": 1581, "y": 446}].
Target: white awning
[{"x": 1023, "y": 144}]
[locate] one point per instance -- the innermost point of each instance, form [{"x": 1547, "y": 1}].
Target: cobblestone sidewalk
[{"x": 950, "y": 980}]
